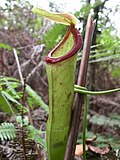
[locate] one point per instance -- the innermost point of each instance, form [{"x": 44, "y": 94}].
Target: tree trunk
[{"x": 92, "y": 67}]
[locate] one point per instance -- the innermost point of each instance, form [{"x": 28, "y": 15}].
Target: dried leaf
[
  {"x": 90, "y": 140},
  {"x": 79, "y": 150},
  {"x": 99, "y": 150}
]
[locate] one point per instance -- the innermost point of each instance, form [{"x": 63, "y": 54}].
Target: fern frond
[
  {"x": 11, "y": 84},
  {"x": 34, "y": 134},
  {"x": 7, "y": 131},
  {"x": 10, "y": 87},
  {"x": 103, "y": 120}
]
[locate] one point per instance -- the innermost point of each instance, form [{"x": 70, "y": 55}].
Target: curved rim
[{"x": 77, "y": 45}]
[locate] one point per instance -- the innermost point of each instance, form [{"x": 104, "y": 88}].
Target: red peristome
[{"x": 77, "y": 45}]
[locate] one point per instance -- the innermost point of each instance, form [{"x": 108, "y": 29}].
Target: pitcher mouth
[{"x": 74, "y": 49}]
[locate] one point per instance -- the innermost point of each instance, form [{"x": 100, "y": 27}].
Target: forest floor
[
  {"x": 103, "y": 115},
  {"x": 105, "y": 132}
]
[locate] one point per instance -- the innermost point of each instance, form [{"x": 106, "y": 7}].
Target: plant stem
[
  {"x": 78, "y": 89},
  {"x": 83, "y": 90},
  {"x": 85, "y": 125}
]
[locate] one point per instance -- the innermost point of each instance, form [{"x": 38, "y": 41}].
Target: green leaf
[
  {"x": 9, "y": 79},
  {"x": 6, "y": 46},
  {"x": 36, "y": 98},
  {"x": 63, "y": 18},
  {"x": 9, "y": 97},
  {"x": 3, "y": 104},
  {"x": 13, "y": 83},
  {"x": 57, "y": 31}
]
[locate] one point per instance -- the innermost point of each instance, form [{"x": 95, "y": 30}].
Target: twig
[
  {"x": 23, "y": 101},
  {"x": 79, "y": 98},
  {"x": 18, "y": 65},
  {"x": 32, "y": 73},
  {"x": 22, "y": 133},
  {"x": 31, "y": 122},
  {"x": 30, "y": 45}
]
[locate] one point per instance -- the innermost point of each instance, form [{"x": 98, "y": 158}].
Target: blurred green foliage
[{"x": 54, "y": 35}]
